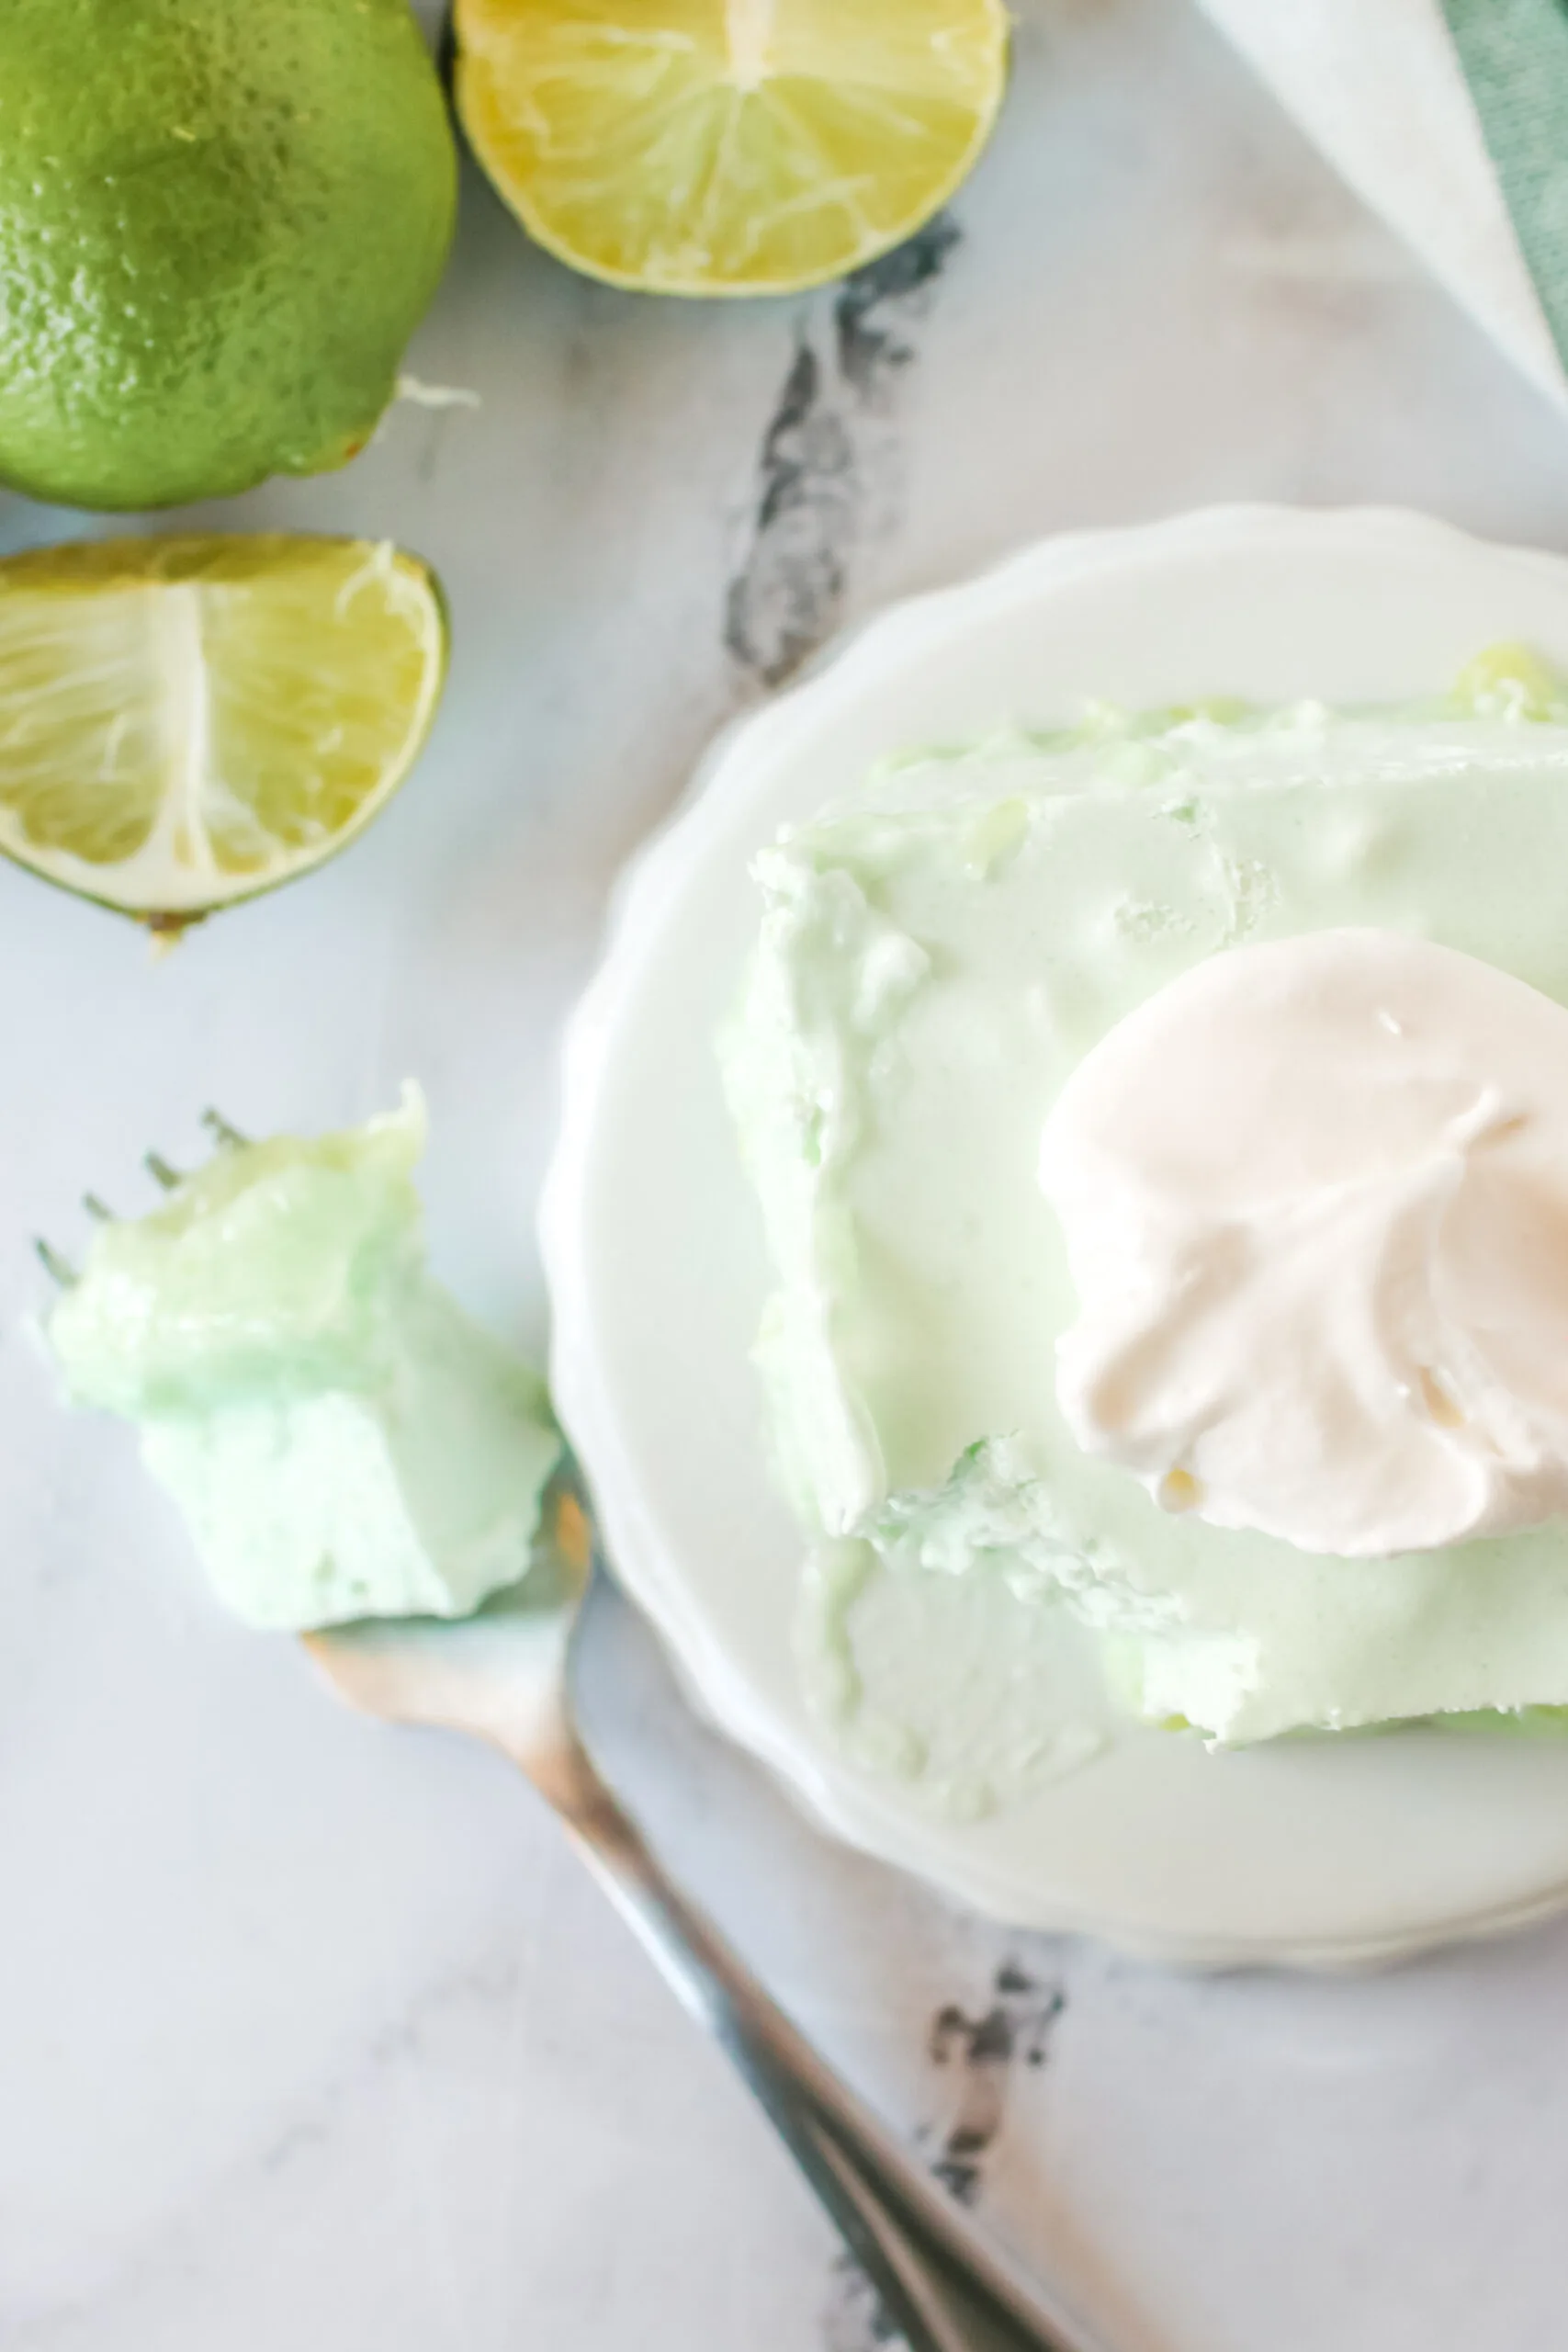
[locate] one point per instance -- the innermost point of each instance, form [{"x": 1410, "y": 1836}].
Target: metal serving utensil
[{"x": 504, "y": 1676}]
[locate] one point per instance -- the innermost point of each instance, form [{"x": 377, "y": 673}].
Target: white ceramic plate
[{"x": 1318, "y": 1853}]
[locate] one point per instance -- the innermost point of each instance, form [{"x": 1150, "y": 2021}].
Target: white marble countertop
[{"x": 312, "y": 2033}]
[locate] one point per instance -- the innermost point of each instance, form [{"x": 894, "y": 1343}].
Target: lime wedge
[
  {"x": 185, "y": 722},
  {"x": 726, "y": 146}
]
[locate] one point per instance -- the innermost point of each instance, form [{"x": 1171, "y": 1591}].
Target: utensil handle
[{"x": 942, "y": 2282}]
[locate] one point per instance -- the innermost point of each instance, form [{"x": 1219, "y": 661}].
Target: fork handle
[{"x": 943, "y": 2284}]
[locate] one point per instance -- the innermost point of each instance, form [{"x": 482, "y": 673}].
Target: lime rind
[{"x": 218, "y": 229}]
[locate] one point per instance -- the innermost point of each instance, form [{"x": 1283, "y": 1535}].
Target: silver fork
[{"x": 504, "y": 1676}]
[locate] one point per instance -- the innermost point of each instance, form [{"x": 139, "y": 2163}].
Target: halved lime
[
  {"x": 185, "y": 722},
  {"x": 726, "y": 146}
]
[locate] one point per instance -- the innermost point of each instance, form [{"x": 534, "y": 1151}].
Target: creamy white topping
[{"x": 1315, "y": 1196}]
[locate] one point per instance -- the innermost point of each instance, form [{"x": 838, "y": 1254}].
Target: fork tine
[
  {"x": 59, "y": 1270},
  {"x": 158, "y": 1168},
  {"x": 218, "y": 1127}
]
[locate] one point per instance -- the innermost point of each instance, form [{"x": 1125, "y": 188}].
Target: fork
[{"x": 504, "y": 1676}]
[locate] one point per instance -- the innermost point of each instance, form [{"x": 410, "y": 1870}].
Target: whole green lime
[{"x": 219, "y": 224}]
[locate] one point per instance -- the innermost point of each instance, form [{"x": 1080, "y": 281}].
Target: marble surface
[{"x": 312, "y": 2033}]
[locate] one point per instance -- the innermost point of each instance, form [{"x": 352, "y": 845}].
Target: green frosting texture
[{"x": 344, "y": 1442}]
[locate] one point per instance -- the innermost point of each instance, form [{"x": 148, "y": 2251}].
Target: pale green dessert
[
  {"x": 936, "y": 957},
  {"x": 343, "y": 1441}
]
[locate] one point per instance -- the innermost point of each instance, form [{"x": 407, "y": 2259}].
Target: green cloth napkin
[{"x": 1514, "y": 56}]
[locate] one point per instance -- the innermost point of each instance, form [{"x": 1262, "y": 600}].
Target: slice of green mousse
[
  {"x": 343, "y": 1441},
  {"x": 937, "y": 953}
]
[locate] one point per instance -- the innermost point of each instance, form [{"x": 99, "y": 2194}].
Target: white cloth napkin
[{"x": 1378, "y": 83}]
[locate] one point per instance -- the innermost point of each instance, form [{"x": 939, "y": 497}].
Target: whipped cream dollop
[{"x": 1315, "y": 1197}]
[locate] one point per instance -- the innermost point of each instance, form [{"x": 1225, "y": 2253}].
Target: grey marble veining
[{"x": 310, "y": 2033}]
